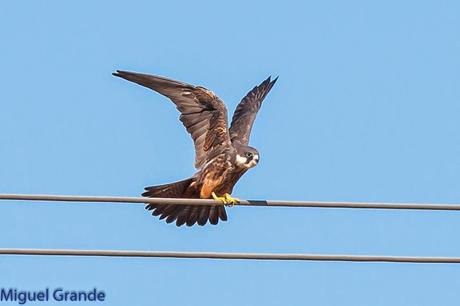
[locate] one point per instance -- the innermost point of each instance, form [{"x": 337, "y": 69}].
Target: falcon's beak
[{"x": 254, "y": 161}]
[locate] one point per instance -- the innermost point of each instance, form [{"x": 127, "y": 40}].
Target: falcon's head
[{"x": 246, "y": 156}]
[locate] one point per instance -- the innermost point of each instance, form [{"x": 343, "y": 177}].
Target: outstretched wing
[
  {"x": 203, "y": 114},
  {"x": 246, "y": 111}
]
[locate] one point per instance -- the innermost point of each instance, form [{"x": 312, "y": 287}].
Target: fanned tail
[{"x": 182, "y": 214}]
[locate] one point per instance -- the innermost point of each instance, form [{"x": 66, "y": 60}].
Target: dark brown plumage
[
  {"x": 222, "y": 154},
  {"x": 246, "y": 111}
]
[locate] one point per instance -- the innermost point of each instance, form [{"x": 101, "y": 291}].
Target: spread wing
[
  {"x": 203, "y": 114},
  {"x": 246, "y": 111}
]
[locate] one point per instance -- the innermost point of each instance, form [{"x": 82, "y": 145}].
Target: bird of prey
[{"x": 222, "y": 153}]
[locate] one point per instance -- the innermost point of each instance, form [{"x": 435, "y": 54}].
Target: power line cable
[
  {"x": 235, "y": 256},
  {"x": 275, "y": 203}
]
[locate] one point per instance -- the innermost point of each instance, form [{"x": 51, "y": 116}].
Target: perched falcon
[{"x": 222, "y": 154}]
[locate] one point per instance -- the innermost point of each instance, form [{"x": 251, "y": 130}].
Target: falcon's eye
[{"x": 248, "y": 154}]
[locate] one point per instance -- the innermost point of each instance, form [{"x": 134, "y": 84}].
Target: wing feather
[
  {"x": 246, "y": 111},
  {"x": 203, "y": 114}
]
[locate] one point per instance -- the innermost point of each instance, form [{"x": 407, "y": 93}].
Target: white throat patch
[{"x": 241, "y": 160}]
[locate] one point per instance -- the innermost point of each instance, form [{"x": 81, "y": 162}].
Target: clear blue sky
[{"x": 366, "y": 109}]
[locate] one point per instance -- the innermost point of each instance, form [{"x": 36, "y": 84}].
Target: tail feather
[
  {"x": 182, "y": 214},
  {"x": 193, "y": 216},
  {"x": 222, "y": 213},
  {"x": 181, "y": 219},
  {"x": 172, "y": 190},
  {"x": 203, "y": 216},
  {"x": 173, "y": 216},
  {"x": 213, "y": 215}
]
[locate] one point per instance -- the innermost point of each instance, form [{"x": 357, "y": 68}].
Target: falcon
[{"x": 222, "y": 154}]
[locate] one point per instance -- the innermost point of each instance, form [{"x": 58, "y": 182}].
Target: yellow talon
[
  {"x": 226, "y": 199},
  {"x": 221, "y": 199},
  {"x": 230, "y": 200}
]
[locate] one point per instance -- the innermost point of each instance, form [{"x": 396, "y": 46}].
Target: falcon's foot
[
  {"x": 226, "y": 199},
  {"x": 221, "y": 199},
  {"x": 230, "y": 200}
]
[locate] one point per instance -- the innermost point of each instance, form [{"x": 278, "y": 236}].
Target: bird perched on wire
[{"x": 222, "y": 154}]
